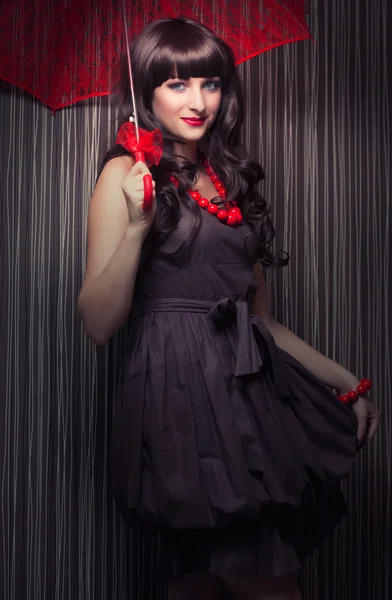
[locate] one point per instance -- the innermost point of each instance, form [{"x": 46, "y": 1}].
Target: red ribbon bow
[{"x": 150, "y": 143}]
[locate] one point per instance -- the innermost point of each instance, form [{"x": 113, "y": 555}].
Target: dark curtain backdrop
[{"x": 318, "y": 118}]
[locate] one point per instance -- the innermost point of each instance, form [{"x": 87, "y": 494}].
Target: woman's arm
[
  {"x": 325, "y": 369},
  {"x": 113, "y": 255}
]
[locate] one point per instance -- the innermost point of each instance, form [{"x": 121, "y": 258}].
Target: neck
[{"x": 188, "y": 151}]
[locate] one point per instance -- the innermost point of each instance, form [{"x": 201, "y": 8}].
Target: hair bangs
[{"x": 186, "y": 55}]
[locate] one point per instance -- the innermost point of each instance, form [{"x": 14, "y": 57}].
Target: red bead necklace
[{"x": 230, "y": 214}]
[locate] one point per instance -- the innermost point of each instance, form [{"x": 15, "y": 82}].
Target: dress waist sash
[{"x": 253, "y": 335}]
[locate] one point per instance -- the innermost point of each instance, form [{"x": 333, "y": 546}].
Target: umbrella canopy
[{"x": 64, "y": 51}]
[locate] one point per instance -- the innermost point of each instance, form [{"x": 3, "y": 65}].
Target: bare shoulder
[
  {"x": 107, "y": 216},
  {"x": 117, "y": 166},
  {"x": 108, "y": 196}
]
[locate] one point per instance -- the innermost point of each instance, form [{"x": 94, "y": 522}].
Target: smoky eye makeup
[
  {"x": 209, "y": 83},
  {"x": 176, "y": 85}
]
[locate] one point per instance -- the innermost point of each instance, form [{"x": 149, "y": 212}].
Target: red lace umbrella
[{"x": 63, "y": 51}]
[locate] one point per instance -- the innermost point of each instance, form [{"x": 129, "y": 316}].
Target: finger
[
  {"x": 362, "y": 426},
  {"x": 138, "y": 181},
  {"x": 139, "y": 167},
  {"x": 138, "y": 177},
  {"x": 373, "y": 428},
  {"x": 136, "y": 184}
]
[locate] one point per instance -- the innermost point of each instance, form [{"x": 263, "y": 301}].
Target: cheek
[
  {"x": 157, "y": 106},
  {"x": 217, "y": 102},
  {"x": 165, "y": 106},
  {"x": 159, "y": 103}
]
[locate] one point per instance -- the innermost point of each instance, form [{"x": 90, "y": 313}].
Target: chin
[{"x": 192, "y": 138}]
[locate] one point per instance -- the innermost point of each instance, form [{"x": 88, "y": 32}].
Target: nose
[{"x": 196, "y": 99}]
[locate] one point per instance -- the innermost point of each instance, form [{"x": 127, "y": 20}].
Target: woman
[{"x": 225, "y": 437}]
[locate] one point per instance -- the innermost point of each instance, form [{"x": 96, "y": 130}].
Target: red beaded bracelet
[{"x": 352, "y": 396}]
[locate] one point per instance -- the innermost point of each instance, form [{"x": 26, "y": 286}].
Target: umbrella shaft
[{"x": 130, "y": 72}]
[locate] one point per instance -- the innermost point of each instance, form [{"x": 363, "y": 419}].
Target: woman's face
[{"x": 187, "y": 107}]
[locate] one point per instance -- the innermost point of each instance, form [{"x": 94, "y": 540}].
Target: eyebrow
[{"x": 186, "y": 78}]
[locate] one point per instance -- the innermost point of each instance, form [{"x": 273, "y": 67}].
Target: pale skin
[{"x": 117, "y": 228}]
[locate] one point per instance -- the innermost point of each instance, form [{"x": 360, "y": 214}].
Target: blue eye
[
  {"x": 215, "y": 85},
  {"x": 209, "y": 85},
  {"x": 174, "y": 86}
]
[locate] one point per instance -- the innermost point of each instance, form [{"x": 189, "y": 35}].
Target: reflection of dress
[{"x": 216, "y": 429}]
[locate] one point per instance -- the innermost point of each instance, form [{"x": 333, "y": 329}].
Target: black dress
[{"x": 222, "y": 441}]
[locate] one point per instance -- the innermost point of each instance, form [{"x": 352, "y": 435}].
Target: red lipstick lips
[{"x": 194, "y": 122}]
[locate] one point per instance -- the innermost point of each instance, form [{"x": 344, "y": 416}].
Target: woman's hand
[
  {"x": 133, "y": 188},
  {"x": 368, "y": 419}
]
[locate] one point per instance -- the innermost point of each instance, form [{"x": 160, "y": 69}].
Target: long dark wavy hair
[{"x": 184, "y": 48}]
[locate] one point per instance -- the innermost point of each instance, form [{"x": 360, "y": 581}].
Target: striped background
[{"x": 319, "y": 120}]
